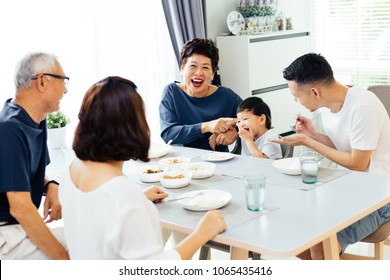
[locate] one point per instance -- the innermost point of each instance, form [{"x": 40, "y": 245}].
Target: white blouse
[{"x": 115, "y": 221}]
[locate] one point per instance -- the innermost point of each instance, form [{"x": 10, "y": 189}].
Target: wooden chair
[
  {"x": 204, "y": 253},
  {"x": 379, "y": 238}
]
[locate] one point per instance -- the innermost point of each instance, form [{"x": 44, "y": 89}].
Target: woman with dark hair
[
  {"x": 193, "y": 110},
  {"x": 105, "y": 215}
]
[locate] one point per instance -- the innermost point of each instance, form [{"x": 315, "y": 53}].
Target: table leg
[
  {"x": 331, "y": 248},
  {"x": 238, "y": 253}
]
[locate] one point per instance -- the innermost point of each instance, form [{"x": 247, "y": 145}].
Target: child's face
[{"x": 250, "y": 122}]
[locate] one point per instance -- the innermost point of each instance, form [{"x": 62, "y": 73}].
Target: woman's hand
[
  {"x": 212, "y": 223},
  {"x": 218, "y": 126},
  {"x": 155, "y": 194}
]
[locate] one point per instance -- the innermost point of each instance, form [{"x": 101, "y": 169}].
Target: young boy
[{"x": 254, "y": 124}]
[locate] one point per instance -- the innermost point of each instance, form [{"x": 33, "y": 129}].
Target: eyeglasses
[{"x": 66, "y": 79}]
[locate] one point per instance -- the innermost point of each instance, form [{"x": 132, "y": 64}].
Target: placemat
[
  {"x": 240, "y": 166},
  {"x": 325, "y": 175},
  {"x": 235, "y": 212}
]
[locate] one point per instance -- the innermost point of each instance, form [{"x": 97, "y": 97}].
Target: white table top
[
  {"x": 305, "y": 218},
  {"x": 299, "y": 220},
  {"x": 302, "y": 218}
]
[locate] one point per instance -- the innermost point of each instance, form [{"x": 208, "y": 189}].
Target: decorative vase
[{"x": 56, "y": 137}]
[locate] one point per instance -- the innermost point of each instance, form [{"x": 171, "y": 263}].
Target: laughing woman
[{"x": 193, "y": 110}]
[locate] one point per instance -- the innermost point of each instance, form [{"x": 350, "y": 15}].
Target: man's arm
[
  {"x": 25, "y": 212},
  {"x": 51, "y": 208},
  {"x": 357, "y": 160}
]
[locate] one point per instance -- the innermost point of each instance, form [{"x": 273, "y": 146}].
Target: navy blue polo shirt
[{"x": 23, "y": 156}]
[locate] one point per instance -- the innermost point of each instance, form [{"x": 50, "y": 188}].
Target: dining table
[{"x": 295, "y": 217}]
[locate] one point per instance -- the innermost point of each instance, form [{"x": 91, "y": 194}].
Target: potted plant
[
  {"x": 257, "y": 12},
  {"x": 56, "y": 129}
]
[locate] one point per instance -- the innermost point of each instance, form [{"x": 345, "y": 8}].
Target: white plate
[
  {"x": 217, "y": 156},
  {"x": 235, "y": 22},
  {"x": 157, "y": 151},
  {"x": 290, "y": 166},
  {"x": 208, "y": 200}
]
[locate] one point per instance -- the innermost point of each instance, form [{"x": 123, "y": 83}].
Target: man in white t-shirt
[{"x": 357, "y": 132}]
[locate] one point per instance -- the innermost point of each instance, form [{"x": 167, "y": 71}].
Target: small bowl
[
  {"x": 200, "y": 170},
  {"x": 174, "y": 163},
  {"x": 151, "y": 173},
  {"x": 175, "y": 179}
]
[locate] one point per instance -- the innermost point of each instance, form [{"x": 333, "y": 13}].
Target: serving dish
[
  {"x": 151, "y": 173},
  {"x": 200, "y": 170},
  {"x": 174, "y": 179},
  {"x": 173, "y": 163}
]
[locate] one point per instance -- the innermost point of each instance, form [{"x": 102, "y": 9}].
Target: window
[
  {"x": 92, "y": 39},
  {"x": 354, "y": 36}
]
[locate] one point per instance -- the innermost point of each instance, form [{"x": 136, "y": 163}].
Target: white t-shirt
[
  {"x": 115, "y": 221},
  {"x": 270, "y": 149},
  {"x": 361, "y": 124}
]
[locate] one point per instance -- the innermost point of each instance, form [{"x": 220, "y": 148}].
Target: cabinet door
[{"x": 269, "y": 56}]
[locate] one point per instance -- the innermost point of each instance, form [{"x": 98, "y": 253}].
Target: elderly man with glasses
[{"x": 40, "y": 85}]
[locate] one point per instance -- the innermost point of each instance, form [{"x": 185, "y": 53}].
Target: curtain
[
  {"x": 354, "y": 35},
  {"x": 186, "y": 20}
]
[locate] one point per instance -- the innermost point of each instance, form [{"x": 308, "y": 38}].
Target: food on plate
[
  {"x": 178, "y": 176},
  {"x": 153, "y": 171},
  {"x": 174, "y": 161}
]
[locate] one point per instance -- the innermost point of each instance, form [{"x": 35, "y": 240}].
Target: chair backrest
[
  {"x": 287, "y": 151},
  {"x": 237, "y": 147},
  {"x": 383, "y": 93}
]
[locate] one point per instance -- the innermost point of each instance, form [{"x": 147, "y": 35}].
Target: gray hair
[{"x": 31, "y": 65}]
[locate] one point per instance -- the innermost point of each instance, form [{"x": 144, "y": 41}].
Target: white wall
[
  {"x": 218, "y": 10},
  {"x": 299, "y": 11}
]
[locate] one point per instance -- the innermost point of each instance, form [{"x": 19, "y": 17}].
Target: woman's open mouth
[{"x": 196, "y": 83}]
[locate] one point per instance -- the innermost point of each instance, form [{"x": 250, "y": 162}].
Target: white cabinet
[{"x": 253, "y": 64}]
